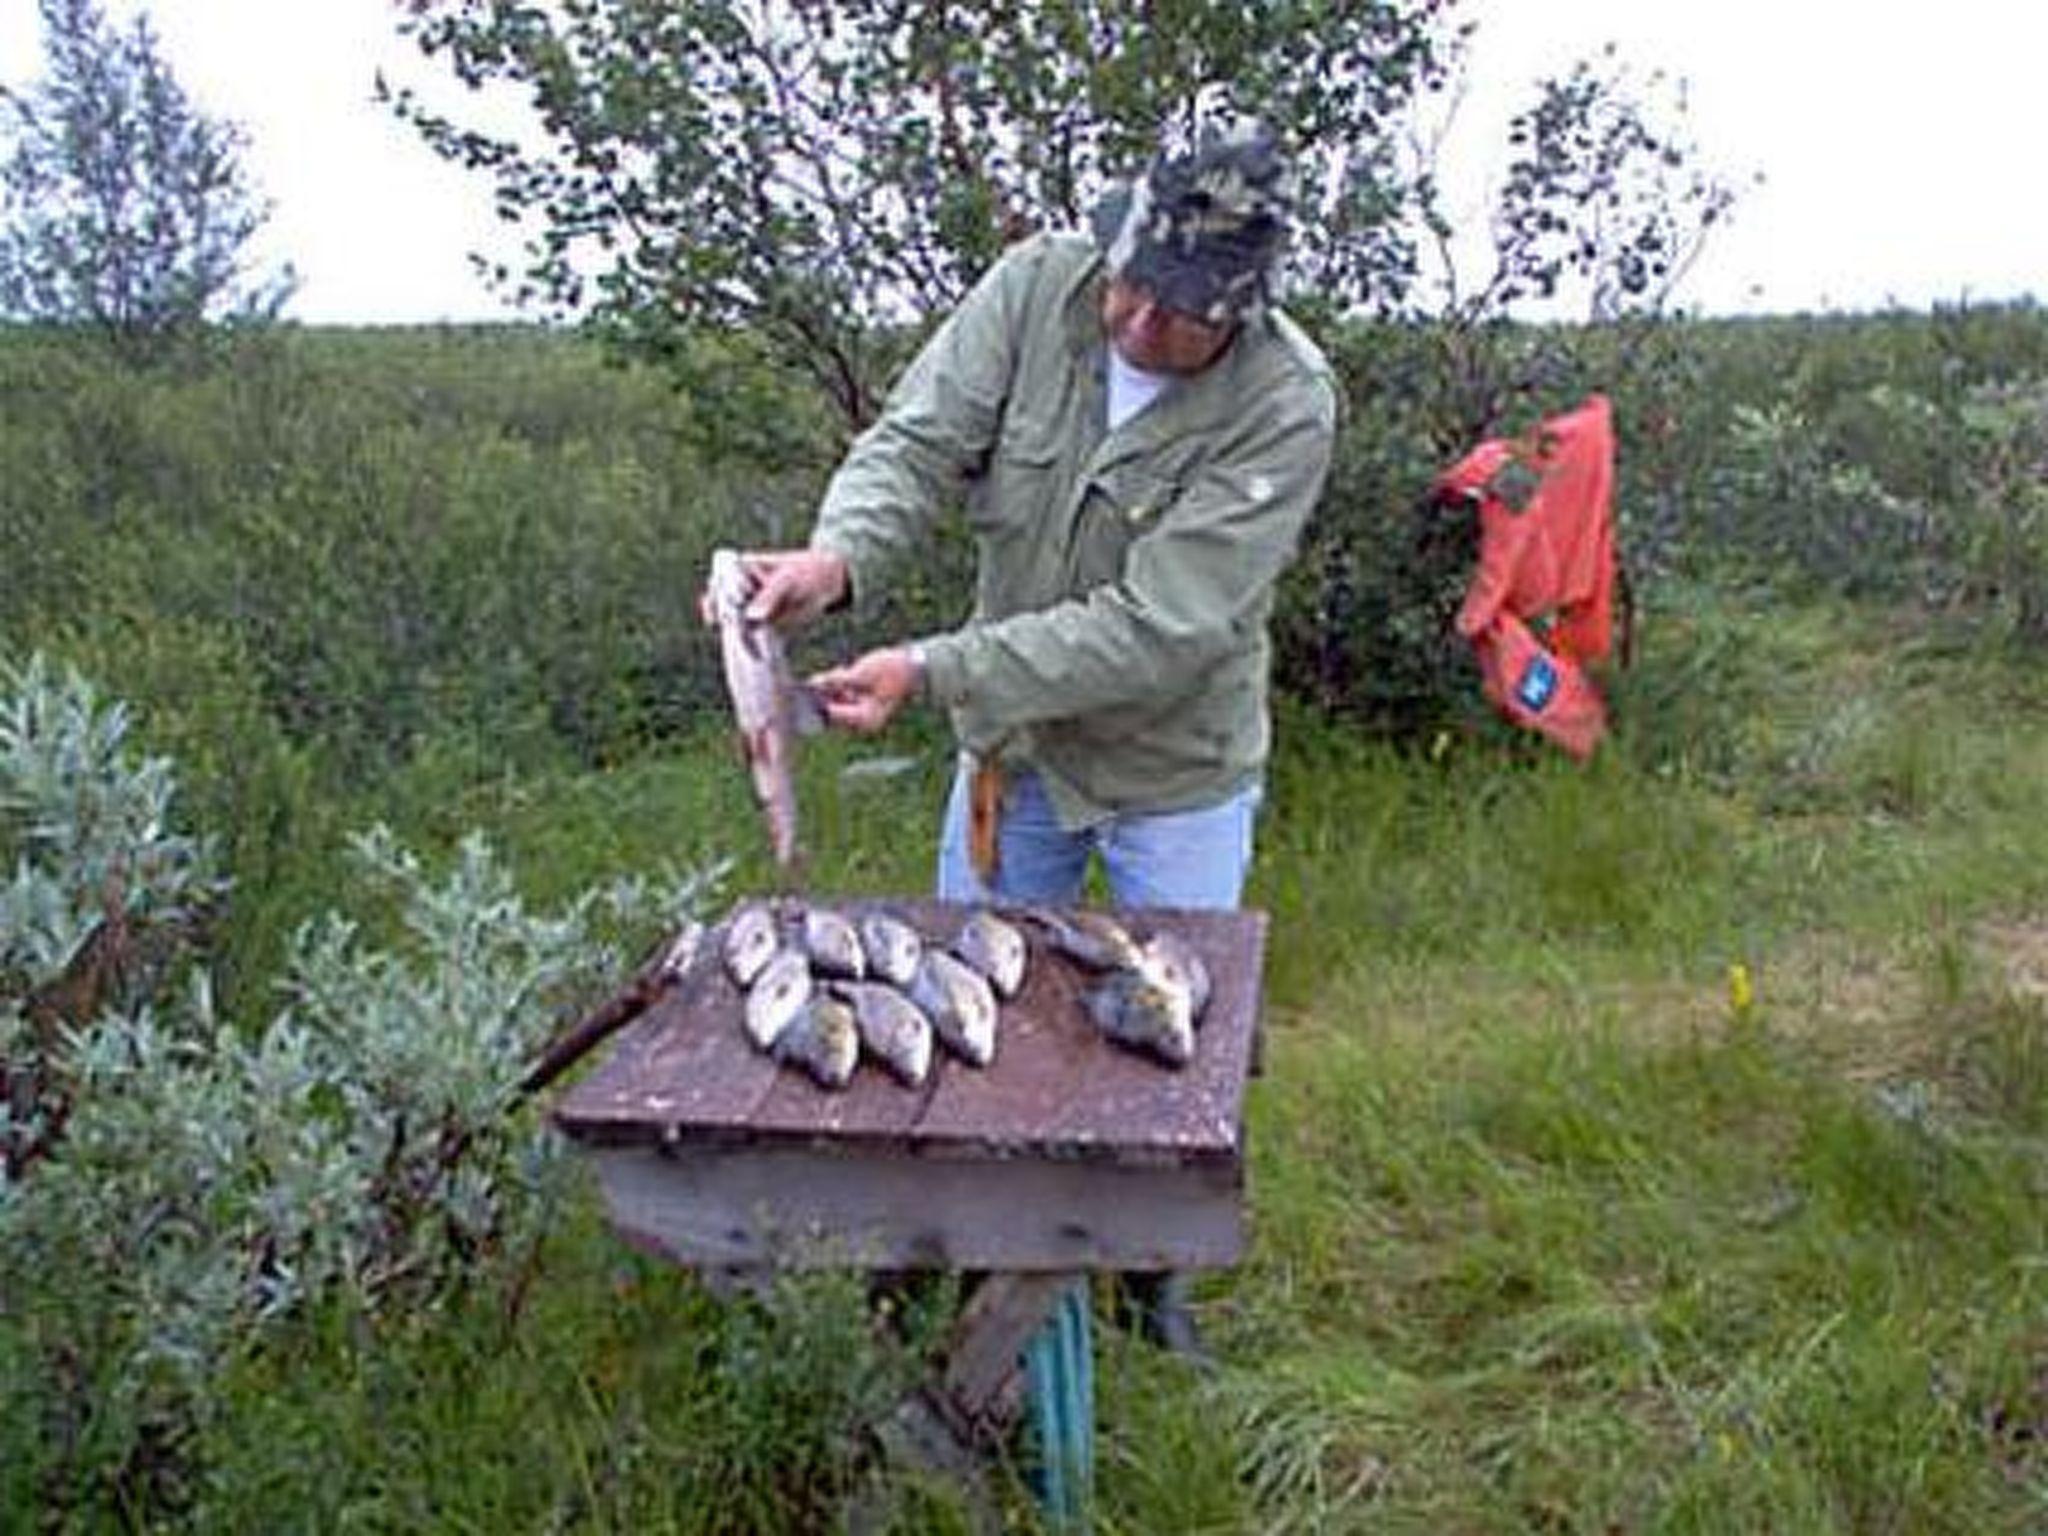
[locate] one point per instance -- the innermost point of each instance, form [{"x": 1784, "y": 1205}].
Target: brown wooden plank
[
  {"x": 833, "y": 1205},
  {"x": 1056, "y": 1087},
  {"x": 669, "y": 1069},
  {"x": 1197, "y": 1109},
  {"x": 985, "y": 1352}
]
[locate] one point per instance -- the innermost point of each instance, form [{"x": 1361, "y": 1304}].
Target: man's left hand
[{"x": 865, "y": 694}]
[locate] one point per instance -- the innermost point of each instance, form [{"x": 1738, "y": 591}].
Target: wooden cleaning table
[{"x": 1067, "y": 1154}]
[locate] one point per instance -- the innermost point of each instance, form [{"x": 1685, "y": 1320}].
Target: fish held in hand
[
  {"x": 892, "y": 946},
  {"x": 993, "y": 948},
  {"x": 770, "y": 706},
  {"x": 958, "y": 1001},
  {"x": 823, "y": 1039},
  {"x": 778, "y": 995},
  {"x": 892, "y": 1027}
]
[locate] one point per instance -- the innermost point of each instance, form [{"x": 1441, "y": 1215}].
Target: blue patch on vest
[{"x": 1538, "y": 684}]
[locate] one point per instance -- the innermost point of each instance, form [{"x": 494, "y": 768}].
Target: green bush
[
  {"x": 492, "y": 536},
  {"x": 2000, "y": 537},
  {"x": 408, "y": 533},
  {"x": 170, "y": 1183}
]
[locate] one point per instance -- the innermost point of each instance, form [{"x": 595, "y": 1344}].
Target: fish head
[
  {"x": 1146, "y": 1013},
  {"x": 778, "y": 996}
]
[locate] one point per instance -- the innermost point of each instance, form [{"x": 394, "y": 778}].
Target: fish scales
[
  {"x": 894, "y": 1030},
  {"x": 892, "y": 946},
  {"x": 994, "y": 948},
  {"x": 750, "y": 942},
  {"x": 833, "y": 943},
  {"x": 960, "y": 1004},
  {"x": 777, "y": 996},
  {"x": 823, "y": 1039}
]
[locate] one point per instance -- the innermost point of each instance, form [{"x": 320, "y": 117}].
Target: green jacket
[{"x": 1118, "y": 642}]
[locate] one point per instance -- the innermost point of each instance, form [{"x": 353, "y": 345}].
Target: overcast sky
[{"x": 1900, "y": 148}]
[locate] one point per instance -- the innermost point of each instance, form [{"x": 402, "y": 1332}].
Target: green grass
[
  {"x": 1574, "y": 1276},
  {"x": 622, "y": 1395},
  {"x": 1547, "y": 1234}
]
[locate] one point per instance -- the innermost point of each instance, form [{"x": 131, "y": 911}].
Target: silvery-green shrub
[{"x": 195, "y": 1181}]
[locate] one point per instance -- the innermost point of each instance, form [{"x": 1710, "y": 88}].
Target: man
[{"x": 1138, "y": 437}]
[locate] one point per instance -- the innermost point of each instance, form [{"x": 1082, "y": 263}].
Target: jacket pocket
[
  {"x": 1121, "y": 505},
  {"x": 1020, "y": 480}
]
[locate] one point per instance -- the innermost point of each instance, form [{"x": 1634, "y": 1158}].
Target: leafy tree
[
  {"x": 123, "y": 207},
  {"x": 807, "y": 172},
  {"x": 1603, "y": 208},
  {"x": 811, "y": 180}
]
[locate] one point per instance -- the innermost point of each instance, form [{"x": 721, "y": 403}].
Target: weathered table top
[{"x": 685, "y": 1073}]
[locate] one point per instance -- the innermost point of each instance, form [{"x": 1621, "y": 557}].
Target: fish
[
  {"x": 958, "y": 1001},
  {"x": 751, "y": 939},
  {"x": 1148, "y": 995},
  {"x": 993, "y": 948},
  {"x": 1093, "y": 940},
  {"x": 832, "y": 943},
  {"x": 777, "y": 996},
  {"x": 1175, "y": 960},
  {"x": 892, "y": 1027},
  {"x": 893, "y": 948},
  {"x": 1144, "y": 1010},
  {"x": 770, "y": 706},
  {"x": 823, "y": 1039}
]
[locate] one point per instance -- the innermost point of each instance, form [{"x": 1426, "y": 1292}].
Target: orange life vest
[{"x": 1541, "y": 604}]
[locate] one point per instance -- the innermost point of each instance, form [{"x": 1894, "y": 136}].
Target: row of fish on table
[{"x": 823, "y": 987}]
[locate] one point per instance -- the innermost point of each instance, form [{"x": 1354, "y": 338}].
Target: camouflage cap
[{"x": 1203, "y": 227}]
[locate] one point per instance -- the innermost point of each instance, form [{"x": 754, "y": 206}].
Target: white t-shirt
[{"x": 1130, "y": 389}]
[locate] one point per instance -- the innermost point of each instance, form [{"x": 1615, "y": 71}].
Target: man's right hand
[{"x": 791, "y": 586}]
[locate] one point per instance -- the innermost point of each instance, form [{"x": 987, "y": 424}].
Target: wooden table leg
[
  {"x": 983, "y": 1375},
  {"x": 956, "y": 1419}
]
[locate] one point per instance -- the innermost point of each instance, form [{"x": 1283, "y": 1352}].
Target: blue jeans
[
  {"x": 1190, "y": 859},
  {"x": 1195, "y": 858}
]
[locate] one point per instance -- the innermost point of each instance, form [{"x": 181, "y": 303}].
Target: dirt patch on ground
[
  {"x": 1862, "y": 1010},
  {"x": 2019, "y": 949},
  {"x": 1868, "y": 1011},
  {"x": 1885, "y": 1014}
]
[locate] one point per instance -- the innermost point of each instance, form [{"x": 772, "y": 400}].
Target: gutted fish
[
  {"x": 768, "y": 703},
  {"x": 777, "y": 996},
  {"x": 892, "y": 946},
  {"x": 823, "y": 1039},
  {"x": 993, "y": 948},
  {"x": 957, "y": 999},
  {"x": 833, "y": 944},
  {"x": 751, "y": 939},
  {"x": 892, "y": 1027}
]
